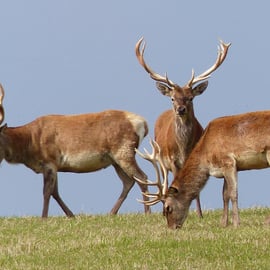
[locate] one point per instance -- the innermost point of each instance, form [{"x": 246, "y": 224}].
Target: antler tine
[
  {"x": 154, "y": 158},
  {"x": 147, "y": 155},
  {"x": 151, "y": 158},
  {"x": 149, "y": 203},
  {"x": 165, "y": 175},
  {"x": 155, "y": 76},
  {"x": 2, "y": 111},
  {"x": 2, "y": 94},
  {"x": 222, "y": 53},
  {"x": 158, "y": 159}
]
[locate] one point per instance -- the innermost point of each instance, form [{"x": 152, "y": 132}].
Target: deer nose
[{"x": 181, "y": 110}]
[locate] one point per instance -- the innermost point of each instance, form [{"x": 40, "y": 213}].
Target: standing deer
[
  {"x": 178, "y": 130},
  {"x": 76, "y": 143},
  {"x": 228, "y": 145}
]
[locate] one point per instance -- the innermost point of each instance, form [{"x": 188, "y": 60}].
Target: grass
[{"x": 135, "y": 241}]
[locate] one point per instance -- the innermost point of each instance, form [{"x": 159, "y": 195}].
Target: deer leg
[
  {"x": 127, "y": 185},
  {"x": 226, "y": 198},
  {"x": 50, "y": 188},
  {"x": 59, "y": 200},
  {"x": 198, "y": 207},
  {"x": 49, "y": 178},
  {"x": 232, "y": 189},
  {"x": 127, "y": 168},
  {"x": 234, "y": 199},
  {"x": 144, "y": 190}
]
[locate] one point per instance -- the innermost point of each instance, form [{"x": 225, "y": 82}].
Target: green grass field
[{"x": 135, "y": 241}]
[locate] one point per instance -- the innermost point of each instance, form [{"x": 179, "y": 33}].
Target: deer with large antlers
[
  {"x": 76, "y": 143},
  {"x": 228, "y": 145},
  {"x": 178, "y": 130}
]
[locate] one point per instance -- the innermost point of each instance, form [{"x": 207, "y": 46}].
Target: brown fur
[
  {"x": 229, "y": 144},
  {"x": 77, "y": 143},
  {"x": 176, "y": 138}
]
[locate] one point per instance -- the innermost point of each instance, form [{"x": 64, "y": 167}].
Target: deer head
[
  {"x": 171, "y": 207},
  {"x": 181, "y": 97}
]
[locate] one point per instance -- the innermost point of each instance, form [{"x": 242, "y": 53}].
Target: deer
[
  {"x": 229, "y": 144},
  {"x": 78, "y": 143},
  {"x": 177, "y": 130}
]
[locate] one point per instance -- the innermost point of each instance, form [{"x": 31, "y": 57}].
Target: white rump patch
[{"x": 139, "y": 124}]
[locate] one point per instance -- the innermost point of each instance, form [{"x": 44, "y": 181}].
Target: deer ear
[
  {"x": 200, "y": 88},
  {"x": 164, "y": 89}
]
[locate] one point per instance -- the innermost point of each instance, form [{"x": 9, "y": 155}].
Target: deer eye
[{"x": 167, "y": 210}]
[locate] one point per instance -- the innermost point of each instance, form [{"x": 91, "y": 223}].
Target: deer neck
[
  {"x": 192, "y": 178},
  {"x": 14, "y": 142},
  {"x": 184, "y": 134}
]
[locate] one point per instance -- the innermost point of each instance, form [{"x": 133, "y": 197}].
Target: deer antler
[
  {"x": 2, "y": 112},
  {"x": 155, "y": 76},
  {"x": 158, "y": 164},
  {"x": 222, "y": 53}
]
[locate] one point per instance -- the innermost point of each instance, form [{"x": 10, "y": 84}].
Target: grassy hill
[{"x": 135, "y": 241}]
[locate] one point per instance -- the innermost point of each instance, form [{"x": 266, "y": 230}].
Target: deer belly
[
  {"x": 85, "y": 162},
  {"x": 252, "y": 160}
]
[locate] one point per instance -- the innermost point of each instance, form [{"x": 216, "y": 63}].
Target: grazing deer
[
  {"x": 228, "y": 145},
  {"x": 76, "y": 143},
  {"x": 178, "y": 130}
]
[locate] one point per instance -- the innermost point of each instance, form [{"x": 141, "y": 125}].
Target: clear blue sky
[{"x": 78, "y": 56}]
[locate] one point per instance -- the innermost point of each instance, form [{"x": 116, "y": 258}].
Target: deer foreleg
[
  {"x": 50, "y": 188},
  {"x": 59, "y": 200}
]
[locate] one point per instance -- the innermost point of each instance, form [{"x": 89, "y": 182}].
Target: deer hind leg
[
  {"x": 134, "y": 170},
  {"x": 127, "y": 185},
  {"x": 50, "y": 188},
  {"x": 230, "y": 192},
  {"x": 144, "y": 190},
  {"x": 198, "y": 207},
  {"x": 126, "y": 169},
  {"x": 226, "y": 199}
]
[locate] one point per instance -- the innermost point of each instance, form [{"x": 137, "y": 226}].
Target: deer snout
[
  {"x": 174, "y": 226},
  {"x": 181, "y": 110}
]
